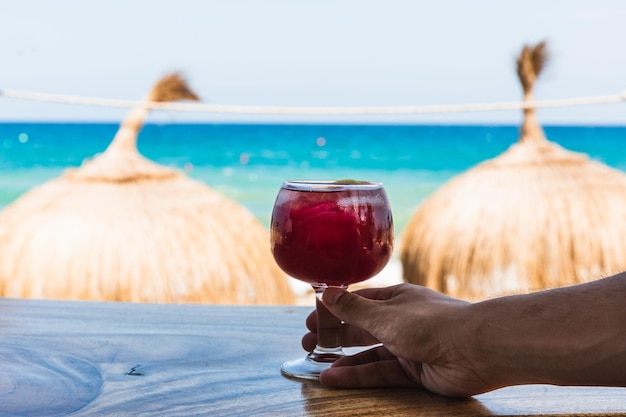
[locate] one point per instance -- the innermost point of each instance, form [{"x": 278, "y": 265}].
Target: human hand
[
  {"x": 422, "y": 334},
  {"x": 455, "y": 348}
]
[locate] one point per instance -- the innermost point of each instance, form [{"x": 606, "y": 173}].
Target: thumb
[{"x": 349, "y": 307}]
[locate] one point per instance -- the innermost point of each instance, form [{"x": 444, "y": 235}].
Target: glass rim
[{"x": 330, "y": 185}]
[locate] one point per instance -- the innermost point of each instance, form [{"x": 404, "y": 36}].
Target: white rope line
[{"x": 274, "y": 110}]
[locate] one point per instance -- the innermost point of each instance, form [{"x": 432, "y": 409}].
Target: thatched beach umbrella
[
  {"x": 536, "y": 216},
  {"x": 124, "y": 228}
]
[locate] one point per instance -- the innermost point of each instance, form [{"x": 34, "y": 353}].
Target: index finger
[{"x": 350, "y": 335}]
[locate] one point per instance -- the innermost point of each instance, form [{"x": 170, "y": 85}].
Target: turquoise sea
[{"x": 247, "y": 162}]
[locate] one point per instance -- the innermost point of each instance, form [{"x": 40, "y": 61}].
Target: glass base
[{"x": 310, "y": 366}]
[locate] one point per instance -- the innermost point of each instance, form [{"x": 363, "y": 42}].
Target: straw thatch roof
[
  {"x": 534, "y": 217},
  {"x": 124, "y": 228}
]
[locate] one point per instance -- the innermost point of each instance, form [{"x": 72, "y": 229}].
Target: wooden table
[{"x": 100, "y": 359}]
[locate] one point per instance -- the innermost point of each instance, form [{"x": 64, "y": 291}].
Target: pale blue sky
[{"x": 312, "y": 53}]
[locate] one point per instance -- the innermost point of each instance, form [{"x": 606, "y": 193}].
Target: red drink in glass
[
  {"x": 329, "y": 233},
  {"x": 334, "y": 237}
]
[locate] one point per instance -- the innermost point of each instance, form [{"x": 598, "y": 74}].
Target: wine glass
[{"x": 329, "y": 233}]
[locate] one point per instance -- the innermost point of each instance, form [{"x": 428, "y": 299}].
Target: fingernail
[{"x": 331, "y": 295}]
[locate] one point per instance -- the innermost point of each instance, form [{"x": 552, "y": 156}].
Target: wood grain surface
[{"x": 62, "y": 358}]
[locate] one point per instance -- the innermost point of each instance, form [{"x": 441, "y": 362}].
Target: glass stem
[{"x": 328, "y": 347}]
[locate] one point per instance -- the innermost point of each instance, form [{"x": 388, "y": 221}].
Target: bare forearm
[{"x": 567, "y": 336}]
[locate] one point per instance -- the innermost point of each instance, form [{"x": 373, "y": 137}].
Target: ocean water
[{"x": 247, "y": 162}]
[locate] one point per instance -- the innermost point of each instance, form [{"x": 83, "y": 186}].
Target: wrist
[
  {"x": 547, "y": 337},
  {"x": 504, "y": 349}
]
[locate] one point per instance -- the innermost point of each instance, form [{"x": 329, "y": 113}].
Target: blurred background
[{"x": 303, "y": 53}]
